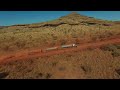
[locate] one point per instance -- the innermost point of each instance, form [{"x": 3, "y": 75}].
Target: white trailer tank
[
  {"x": 67, "y": 46},
  {"x": 52, "y": 48}
]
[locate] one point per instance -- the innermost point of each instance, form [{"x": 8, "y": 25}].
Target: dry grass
[
  {"x": 19, "y": 38},
  {"x": 89, "y": 64}
]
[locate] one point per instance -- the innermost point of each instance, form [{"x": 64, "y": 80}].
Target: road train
[{"x": 63, "y": 46}]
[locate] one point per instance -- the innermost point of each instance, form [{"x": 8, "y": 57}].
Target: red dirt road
[{"x": 38, "y": 53}]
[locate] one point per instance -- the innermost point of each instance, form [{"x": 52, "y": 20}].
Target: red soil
[{"x": 37, "y": 52}]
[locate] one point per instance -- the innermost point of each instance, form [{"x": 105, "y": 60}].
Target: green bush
[
  {"x": 116, "y": 53},
  {"x": 63, "y": 42},
  {"x": 118, "y": 46},
  {"x": 109, "y": 48}
]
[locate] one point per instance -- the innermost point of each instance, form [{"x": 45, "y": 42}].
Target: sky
[{"x": 8, "y": 18}]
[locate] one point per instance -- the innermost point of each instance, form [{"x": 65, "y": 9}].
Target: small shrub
[
  {"x": 101, "y": 36},
  {"x": 109, "y": 48},
  {"x": 40, "y": 74},
  {"x": 86, "y": 69},
  {"x": 3, "y": 74},
  {"x": 6, "y": 48},
  {"x": 12, "y": 38},
  {"x": 116, "y": 53},
  {"x": 118, "y": 46},
  {"x": 54, "y": 37},
  {"x": 29, "y": 36},
  {"x": 20, "y": 44},
  {"x": 94, "y": 38},
  {"x": 63, "y": 42},
  {"x": 117, "y": 71},
  {"x": 77, "y": 41},
  {"x": 69, "y": 55},
  {"x": 48, "y": 75},
  {"x": 54, "y": 64},
  {"x": 74, "y": 36},
  {"x": 110, "y": 34},
  {"x": 62, "y": 68},
  {"x": 52, "y": 44}
]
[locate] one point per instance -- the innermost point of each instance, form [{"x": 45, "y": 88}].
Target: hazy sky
[{"x": 24, "y": 17}]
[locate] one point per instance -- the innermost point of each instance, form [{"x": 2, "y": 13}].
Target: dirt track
[{"x": 38, "y": 53}]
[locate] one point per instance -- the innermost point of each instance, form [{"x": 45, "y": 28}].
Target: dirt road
[{"x": 38, "y": 53}]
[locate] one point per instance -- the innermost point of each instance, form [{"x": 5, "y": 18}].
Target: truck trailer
[
  {"x": 52, "y": 48},
  {"x": 68, "y": 46}
]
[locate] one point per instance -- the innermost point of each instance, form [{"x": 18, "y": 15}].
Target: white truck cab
[{"x": 74, "y": 45}]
